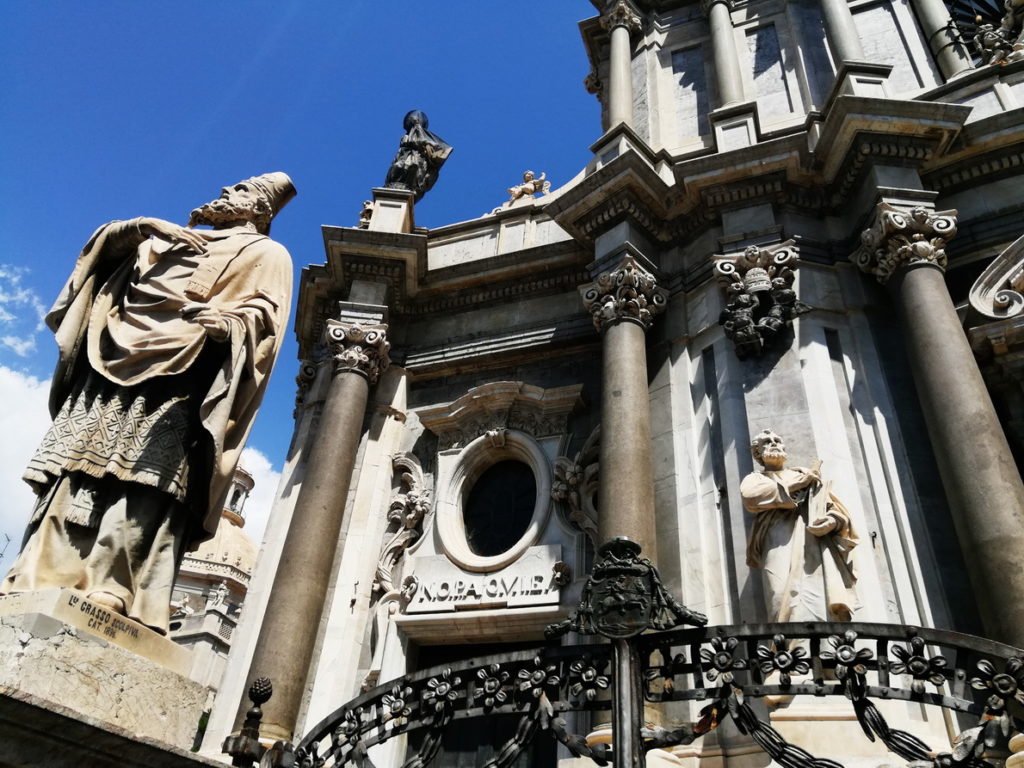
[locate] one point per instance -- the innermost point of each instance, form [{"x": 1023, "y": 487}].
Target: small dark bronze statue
[{"x": 420, "y": 157}]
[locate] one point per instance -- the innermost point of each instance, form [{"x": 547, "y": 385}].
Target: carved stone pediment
[{"x": 493, "y": 408}]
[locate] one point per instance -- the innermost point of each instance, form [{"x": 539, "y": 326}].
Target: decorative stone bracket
[
  {"x": 760, "y": 300},
  {"x": 998, "y": 293},
  {"x": 410, "y": 505},
  {"x": 628, "y": 292},
  {"x": 904, "y": 237},
  {"x": 575, "y": 485}
]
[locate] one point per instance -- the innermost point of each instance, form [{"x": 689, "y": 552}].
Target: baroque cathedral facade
[{"x": 798, "y": 230}]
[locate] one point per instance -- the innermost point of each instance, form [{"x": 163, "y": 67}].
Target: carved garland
[
  {"x": 409, "y": 507},
  {"x": 901, "y": 237}
]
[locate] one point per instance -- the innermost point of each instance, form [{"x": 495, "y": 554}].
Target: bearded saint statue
[
  {"x": 802, "y": 538},
  {"x": 167, "y": 336}
]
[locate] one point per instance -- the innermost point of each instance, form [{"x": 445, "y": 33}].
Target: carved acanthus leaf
[
  {"x": 575, "y": 485},
  {"x": 628, "y": 292},
  {"x": 904, "y": 237},
  {"x": 621, "y": 13},
  {"x": 357, "y": 348}
]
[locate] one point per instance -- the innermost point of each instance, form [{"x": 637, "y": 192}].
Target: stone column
[
  {"x": 841, "y": 32},
  {"x": 285, "y": 647},
  {"x": 727, "y": 61},
  {"x": 623, "y": 303},
  {"x": 943, "y": 38},
  {"x": 904, "y": 248},
  {"x": 621, "y": 19}
]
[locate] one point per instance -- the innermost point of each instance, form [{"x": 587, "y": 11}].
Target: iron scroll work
[{"x": 725, "y": 666}]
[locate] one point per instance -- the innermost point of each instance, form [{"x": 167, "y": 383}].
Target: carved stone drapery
[
  {"x": 361, "y": 349},
  {"x": 761, "y": 302},
  {"x": 621, "y": 13},
  {"x": 904, "y": 237},
  {"x": 628, "y": 292},
  {"x": 575, "y": 485},
  {"x": 409, "y": 506}
]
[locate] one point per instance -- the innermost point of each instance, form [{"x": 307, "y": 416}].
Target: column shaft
[
  {"x": 285, "y": 646},
  {"x": 981, "y": 480},
  {"x": 620, "y": 90},
  {"x": 945, "y": 42},
  {"x": 841, "y": 32},
  {"x": 626, "y": 487},
  {"x": 727, "y": 64}
]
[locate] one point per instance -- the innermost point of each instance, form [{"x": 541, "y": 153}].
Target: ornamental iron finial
[{"x": 904, "y": 237}]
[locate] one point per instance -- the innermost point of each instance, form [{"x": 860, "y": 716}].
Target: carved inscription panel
[{"x": 443, "y": 586}]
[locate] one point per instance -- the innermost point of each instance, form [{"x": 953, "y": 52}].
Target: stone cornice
[
  {"x": 357, "y": 348},
  {"x": 625, "y": 188},
  {"x": 627, "y": 293},
  {"x": 901, "y": 237}
]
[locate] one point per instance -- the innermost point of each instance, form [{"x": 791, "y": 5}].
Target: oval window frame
[{"x": 479, "y": 455}]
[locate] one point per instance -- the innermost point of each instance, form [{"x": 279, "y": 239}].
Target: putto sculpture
[
  {"x": 802, "y": 538},
  {"x": 529, "y": 187},
  {"x": 167, "y": 336},
  {"x": 420, "y": 157},
  {"x": 761, "y": 302}
]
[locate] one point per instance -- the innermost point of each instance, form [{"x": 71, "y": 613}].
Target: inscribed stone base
[{"x": 56, "y": 648}]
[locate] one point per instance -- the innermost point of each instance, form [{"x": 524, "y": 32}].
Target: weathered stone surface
[{"x": 69, "y": 669}]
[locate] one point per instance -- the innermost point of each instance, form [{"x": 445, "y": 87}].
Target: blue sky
[{"x": 111, "y": 110}]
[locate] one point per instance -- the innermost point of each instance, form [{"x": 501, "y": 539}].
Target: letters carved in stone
[
  {"x": 628, "y": 292},
  {"x": 361, "y": 349},
  {"x": 904, "y": 237}
]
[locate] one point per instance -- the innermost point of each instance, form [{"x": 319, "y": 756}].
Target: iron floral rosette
[{"x": 623, "y": 597}]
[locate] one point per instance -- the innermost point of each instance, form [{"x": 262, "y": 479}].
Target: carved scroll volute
[
  {"x": 904, "y": 237},
  {"x": 356, "y": 348},
  {"x": 409, "y": 506},
  {"x": 627, "y": 293},
  {"x": 998, "y": 293}
]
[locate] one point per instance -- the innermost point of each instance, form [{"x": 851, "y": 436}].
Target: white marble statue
[
  {"x": 802, "y": 538},
  {"x": 167, "y": 336}
]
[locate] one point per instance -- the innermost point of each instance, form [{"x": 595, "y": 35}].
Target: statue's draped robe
[
  {"x": 150, "y": 415},
  {"x": 808, "y": 578}
]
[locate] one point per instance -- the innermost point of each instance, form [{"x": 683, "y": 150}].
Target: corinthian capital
[
  {"x": 357, "y": 348},
  {"x": 620, "y": 13},
  {"x": 628, "y": 292},
  {"x": 904, "y": 237}
]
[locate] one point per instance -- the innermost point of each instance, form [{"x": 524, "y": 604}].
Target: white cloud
[
  {"x": 24, "y": 419},
  {"x": 265, "y": 479},
  {"x": 22, "y": 312}
]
